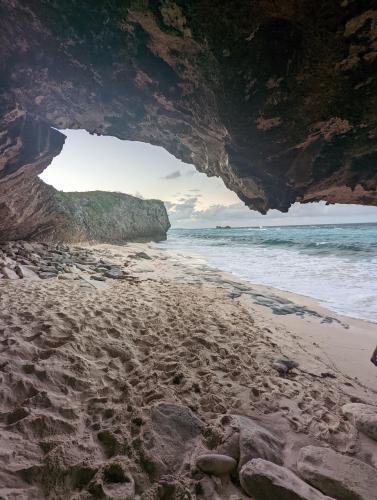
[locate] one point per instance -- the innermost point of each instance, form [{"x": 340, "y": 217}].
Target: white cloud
[
  {"x": 172, "y": 175},
  {"x": 185, "y": 213}
]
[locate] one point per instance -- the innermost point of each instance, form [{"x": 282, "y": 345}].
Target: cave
[
  {"x": 129, "y": 370},
  {"x": 277, "y": 100}
]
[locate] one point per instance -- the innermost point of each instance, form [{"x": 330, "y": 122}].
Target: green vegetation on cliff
[{"x": 112, "y": 217}]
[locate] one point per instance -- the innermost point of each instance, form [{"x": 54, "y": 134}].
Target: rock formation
[
  {"x": 277, "y": 98},
  {"x": 111, "y": 217}
]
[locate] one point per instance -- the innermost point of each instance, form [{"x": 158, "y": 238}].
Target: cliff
[
  {"x": 112, "y": 217},
  {"x": 277, "y": 98}
]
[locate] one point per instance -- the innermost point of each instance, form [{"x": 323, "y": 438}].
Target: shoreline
[
  {"x": 327, "y": 328},
  {"x": 319, "y": 303},
  {"x": 147, "y": 373}
]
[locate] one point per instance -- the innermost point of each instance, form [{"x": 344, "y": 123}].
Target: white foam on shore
[{"x": 345, "y": 285}]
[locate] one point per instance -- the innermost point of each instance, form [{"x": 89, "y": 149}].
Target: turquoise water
[{"x": 334, "y": 263}]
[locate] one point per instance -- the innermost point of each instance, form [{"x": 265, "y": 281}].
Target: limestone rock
[
  {"x": 113, "y": 273},
  {"x": 216, "y": 464},
  {"x": 9, "y": 273},
  {"x": 283, "y": 366},
  {"x": 25, "y": 272},
  {"x": 169, "y": 438},
  {"x": 257, "y": 442},
  {"x": 337, "y": 475},
  {"x": 264, "y": 480},
  {"x": 97, "y": 277},
  {"x": 363, "y": 416}
]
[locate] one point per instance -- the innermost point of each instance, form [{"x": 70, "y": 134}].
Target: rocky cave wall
[{"x": 276, "y": 98}]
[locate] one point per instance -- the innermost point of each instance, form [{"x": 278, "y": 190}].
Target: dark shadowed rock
[
  {"x": 337, "y": 475},
  {"x": 264, "y": 480}
]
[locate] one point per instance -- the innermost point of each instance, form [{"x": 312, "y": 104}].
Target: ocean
[{"x": 336, "y": 264}]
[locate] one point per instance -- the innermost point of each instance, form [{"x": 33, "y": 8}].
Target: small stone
[
  {"x": 141, "y": 255},
  {"x": 215, "y": 464},
  {"x": 66, "y": 276},
  {"x": 284, "y": 366},
  {"x": 97, "y": 277},
  {"x": 81, "y": 267},
  {"x": 114, "y": 273},
  {"x": 363, "y": 417},
  {"x": 25, "y": 272},
  {"x": 263, "y": 480},
  {"x": 47, "y": 275},
  {"x": 106, "y": 264}
]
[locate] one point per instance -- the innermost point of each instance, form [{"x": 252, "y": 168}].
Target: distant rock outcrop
[
  {"x": 112, "y": 217},
  {"x": 95, "y": 216}
]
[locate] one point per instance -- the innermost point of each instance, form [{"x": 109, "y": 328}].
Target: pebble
[{"x": 216, "y": 464}]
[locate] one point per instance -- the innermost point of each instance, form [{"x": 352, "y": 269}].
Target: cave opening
[{"x": 104, "y": 163}]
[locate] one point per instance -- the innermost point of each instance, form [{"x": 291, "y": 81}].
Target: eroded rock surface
[
  {"x": 277, "y": 98},
  {"x": 264, "y": 480},
  {"x": 337, "y": 475},
  {"x": 363, "y": 416}
]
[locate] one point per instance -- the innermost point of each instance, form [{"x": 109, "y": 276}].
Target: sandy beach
[{"x": 94, "y": 379}]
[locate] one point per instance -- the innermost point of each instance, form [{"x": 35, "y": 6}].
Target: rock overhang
[{"x": 277, "y": 100}]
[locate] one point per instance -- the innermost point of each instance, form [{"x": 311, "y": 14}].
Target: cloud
[
  {"x": 185, "y": 213},
  {"x": 172, "y": 175}
]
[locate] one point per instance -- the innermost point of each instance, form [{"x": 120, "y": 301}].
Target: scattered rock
[
  {"x": 337, "y": 475},
  {"x": 284, "y": 366},
  {"x": 141, "y": 255},
  {"x": 106, "y": 264},
  {"x": 363, "y": 416},
  {"x": 25, "y": 272},
  {"x": 114, "y": 273},
  {"x": 218, "y": 465},
  {"x": 98, "y": 277},
  {"x": 67, "y": 276},
  {"x": 263, "y": 480},
  {"x": 257, "y": 442},
  {"x": 47, "y": 275},
  {"x": 9, "y": 273}
]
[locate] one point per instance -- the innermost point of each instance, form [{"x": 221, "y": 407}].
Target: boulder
[
  {"x": 216, "y": 464},
  {"x": 263, "y": 480},
  {"x": 257, "y": 442},
  {"x": 25, "y": 273},
  {"x": 9, "y": 273},
  {"x": 337, "y": 475},
  {"x": 363, "y": 417},
  {"x": 113, "y": 273},
  {"x": 169, "y": 438}
]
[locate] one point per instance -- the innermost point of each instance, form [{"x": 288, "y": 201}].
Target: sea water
[{"x": 336, "y": 264}]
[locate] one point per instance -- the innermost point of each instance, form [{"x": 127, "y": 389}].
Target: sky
[{"x": 89, "y": 163}]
